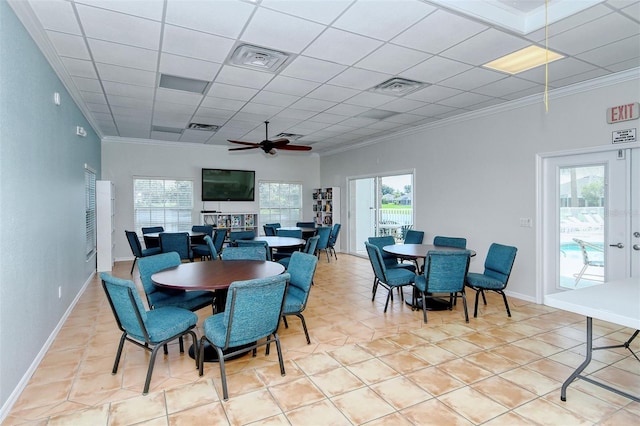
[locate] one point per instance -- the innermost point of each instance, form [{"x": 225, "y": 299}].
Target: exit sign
[{"x": 623, "y": 112}]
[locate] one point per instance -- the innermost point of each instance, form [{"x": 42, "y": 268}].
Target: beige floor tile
[
  {"x": 507, "y": 419},
  {"x": 192, "y": 395},
  {"x": 295, "y": 394},
  {"x": 465, "y": 371},
  {"x": 435, "y": 381},
  {"x": 532, "y": 380},
  {"x": 547, "y": 413},
  {"x": 372, "y": 371},
  {"x": 584, "y": 405},
  {"x": 337, "y": 381},
  {"x": 138, "y": 409},
  {"x": 393, "y": 419},
  {"x": 323, "y": 412},
  {"x": 350, "y": 354},
  {"x": 401, "y": 392},
  {"x": 317, "y": 363},
  {"x": 362, "y": 405},
  {"x": 89, "y": 417},
  {"x": 472, "y": 404},
  {"x": 404, "y": 362},
  {"x": 621, "y": 417},
  {"x": 503, "y": 391},
  {"x": 212, "y": 414},
  {"x": 433, "y": 354},
  {"x": 434, "y": 412},
  {"x": 262, "y": 406}
]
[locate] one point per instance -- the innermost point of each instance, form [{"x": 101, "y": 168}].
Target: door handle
[
  {"x": 619, "y": 245},
  {"x": 636, "y": 247}
]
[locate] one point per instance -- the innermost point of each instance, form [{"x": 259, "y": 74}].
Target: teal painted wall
[{"x": 42, "y": 202}]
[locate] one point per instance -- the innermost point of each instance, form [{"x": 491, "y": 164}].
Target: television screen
[{"x": 228, "y": 185}]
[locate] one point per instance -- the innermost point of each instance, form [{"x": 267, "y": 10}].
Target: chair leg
[
  {"x": 152, "y": 362},
  {"x": 506, "y": 304},
  {"x": 475, "y": 310},
  {"x": 118, "y": 354},
  {"x": 389, "y": 296},
  {"x": 284, "y": 319},
  {"x": 424, "y": 306},
  {"x": 464, "y": 303},
  {"x": 223, "y": 375},
  {"x": 134, "y": 265},
  {"x": 484, "y": 299},
  {"x": 279, "y": 350},
  {"x": 304, "y": 327}
]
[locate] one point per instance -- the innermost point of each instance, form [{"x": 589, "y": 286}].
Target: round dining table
[
  {"x": 419, "y": 251},
  {"x": 281, "y": 242},
  {"x": 306, "y": 231},
  {"x": 214, "y": 275}
]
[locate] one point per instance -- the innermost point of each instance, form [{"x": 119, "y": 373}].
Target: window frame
[
  {"x": 157, "y": 215},
  {"x": 90, "y": 212},
  {"x": 275, "y": 212}
]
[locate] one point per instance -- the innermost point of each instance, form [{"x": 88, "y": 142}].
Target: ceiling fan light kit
[{"x": 270, "y": 147}]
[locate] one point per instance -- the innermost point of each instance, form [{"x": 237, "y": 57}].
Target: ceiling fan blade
[
  {"x": 295, "y": 147},
  {"x": 281, "y": 141},
  {"x": 241, "y": 149},
  {"x": 257, "y": 145}
]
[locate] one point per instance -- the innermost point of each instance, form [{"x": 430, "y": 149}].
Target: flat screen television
[{"x": 228, "y": 185}]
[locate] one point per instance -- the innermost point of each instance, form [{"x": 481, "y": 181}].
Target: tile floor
[{"x": 362, "y": 367}]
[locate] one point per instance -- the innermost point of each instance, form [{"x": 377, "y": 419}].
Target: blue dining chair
[
  {"x": 324, "y": 232},
  {"x": 198, "y": 245},
  {"x": 413, "y": 237},
  {"x": 149, "y": 330},
  {"x": 263, "y": 245},
  {"x": 302, "y": 267},
  {"x": 137, "y": 250},
  {"x": 177, "y": 241},
  {"x": 497, "y": 269},
  {"x": 457, "y": 242},
  {"x": 252, "y": 313},
  {"x": 444, "y": 272},
  {"x": 309, "y": 248},
  {"x": 241, "y": 235},
  {"x": 333, "y": 238},
  {"x": 389, "y": 278},
  {"x": 285, "y": 252},
  {"x": 252, "y": 252},
  {"x": 158, "y": 297},
  {"x": 219, "y": 236},
  {"x": 213, "y": 253},
  {"x": 151, "y": 242}
]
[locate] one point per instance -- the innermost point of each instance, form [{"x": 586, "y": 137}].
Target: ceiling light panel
[
  {"x": 523, "y": 60},
  {"x": 184, "y": 84}
]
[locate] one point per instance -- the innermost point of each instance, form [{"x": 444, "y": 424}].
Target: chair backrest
[
  {"x": 253, "y": 308},
  {"x": 379, "y": 242},
  {"x": 323, "y": 232},
  {"x": 499, "y": 262},
  {"x": 414, "y": 237},
  {"x": 294, "y": 233},
  {"x": 244, "y": 253},
  {"x": 306, "y": 224},
  {"x": 404, "y": 229},
  {"x": 152, "y": 229},
  {"x": 458, "y": 242},
  {"x": 212, "y": 247},
  {"x": 334, "y": 234},
  {"x": 375, "y": 257},
  {"x": 263, "y": 245},
  {"x": 241, "y": 235},
  {"x": 311, "y": 245},
  {"x": 584, "y": 246},
  {"x": 218, "y": 239},
  {"x": 207, "y": 229},
  {"x": 445, "y": 271},
  {"x": 148, "y": 241},
  {"x": 274, "y": 225},
  {"x": 134, "y": 243},
  {"x": 269, "y": 230},
  {"x": 126, "y": 306},
  {"x": 178, "y": 242},
  {"x": 149, "y": 265},
  {"x": 301, "y": 267}
]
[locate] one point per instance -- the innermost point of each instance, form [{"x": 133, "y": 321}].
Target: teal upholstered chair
[
  {"x": 389, "y": 278},
  {"x": 252, "y": 312},
  {"x": 269, "y": 230},
  {"x": 244, "y": 253},
  {"x": 151, "y": 242},
  {"x": 178, "y": 242},
  {"x": 444, "y": 272},
  {"x": 333, "y": 238},
  {"x": 413, "y": 237},
  {"x": 136, "y": 248},
  {"x": 198, "y": 245},
  {"x": 149, "y": 330},
  {"x": 283, "y": 253},
  {"x": 302, "y": 267},
  {"x": 309, "y": 248},
  {"x": 324, "y": 232},
  {"x": 159, "y": 297},
  {"x": 241, "y": 235},
  {"x": 390, "y": 261},
  {"x": 497, "y": 269},
  {"x": 263, "y": 245},
  {"x": 213, "y": 253},
  {"x": 218, "y": 240},
  {"x": 306, "y": 224},
  {"x": 457, "y": 242}
]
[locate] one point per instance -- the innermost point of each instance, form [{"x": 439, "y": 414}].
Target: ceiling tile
[
  {"x": 368, "y": 99},
  {"x": 309, "y": 104},
  {"x": 612, "y": 53},
  {"x": 312, "y": 69},
  {"x": 382, "y": 19},
  {"x": 120, "y": 89},
  {"x": 212, "y": 115},
  {"x": 71, "y": 46},
  {"x": 559, "y": 69},
  {"x": 299, "y": 114},
  {"x": 127, "y": 101},
  {"x": 433, "y": 34},
  {"x": 173, "y": 108},
  {"x": 291, "y": 86},
  {"x": 504, "y": 87},
  {"x": 433, "y": 93},
  {"x": 117, "y": 27},
  {"x": 273, "y": 98},
  {"x": 56, "y": 15},
  {"x": 126, "y": 75},
  {"x": 347, "y": 110},
  {"x": 332, "y": 93},
  {"x": 322, "y": 11},
  {"x": 236, "y": 76},
  {"x": 221, "y": 103},
  {"x": 470, "y": 79},
  {"x": 464, "y": 99},
  {"x": 402, "y": 105},
  {"x": 359, "y": 79},
  {"x": 224, "y": 18},
  {"x": 126, "y": 56},
  {"x": 273, "y": 30},
  {"x": 485, "y": 47},
  {"x": 181, "y": 66},
  {"x": 79, "y": 68},
  {"x": 149, "y": 9},
  {"x": 435, "y": 69},
  {"x": 231, "y": 92},
  {"x": 432, "y": 110},
  {"x": 581, "y": 18},
  {"x": 194, "y": 44},
  {"x": 392, "y": 59},
  {"x": 178, "y": 97},
  {"x": 341, "y": 47}
]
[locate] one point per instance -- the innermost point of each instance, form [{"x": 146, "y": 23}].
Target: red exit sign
[{"x": 623, "y": 112}]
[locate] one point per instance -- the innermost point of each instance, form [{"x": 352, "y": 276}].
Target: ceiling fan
[{"x": 268, "y": 146}]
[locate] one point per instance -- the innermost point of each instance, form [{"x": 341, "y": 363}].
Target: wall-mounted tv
[{"x": 228, "y": 185}]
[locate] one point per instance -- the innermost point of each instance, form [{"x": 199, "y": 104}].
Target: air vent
[
  {"x": 184, "y": 84},
  {"x": 204, "y": 127},
  {"x": 165, "y": 129},
  {"x": 258, "y": 58},
  {"x": 290, "y": 136},
  {"x": 398, "y": 86}
]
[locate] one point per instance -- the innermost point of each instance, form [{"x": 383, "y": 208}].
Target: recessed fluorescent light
[
  {"x": 184, "y": 84},
  {"x": 166, "y": 129},
  {"x": 523, "y": 60},
  {"x": 206, "y": 127}
]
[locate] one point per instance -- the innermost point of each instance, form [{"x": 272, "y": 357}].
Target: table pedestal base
[
  {"x": 211, "y": 355},
  {"x": 432, "y": 303}
]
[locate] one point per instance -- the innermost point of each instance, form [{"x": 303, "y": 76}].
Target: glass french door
[
  {"x": 379, "y": 205},
  {"x": 589, "y": 219}
]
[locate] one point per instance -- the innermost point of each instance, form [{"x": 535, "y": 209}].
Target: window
[
  {"x": 90, "y": 210},
  {"x": 280, "y": 202},
  {"x": 162, "y": 202}
]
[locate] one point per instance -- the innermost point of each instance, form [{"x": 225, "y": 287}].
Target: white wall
[
  {"x": 476, "y": 177},
  {"x": 123, "y": 160}
]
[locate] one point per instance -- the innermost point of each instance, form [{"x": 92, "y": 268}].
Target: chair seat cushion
[
  {"x": 167, "y": 322},
  {"x": 284, "y": 261},
  {"x": 200, "y": 250},
  {"x": 406, "y": 266},
  {"x": 151, "y": 251},
  {"x": 190, "y": 300},
  {"x": 477, "y": 280},
  {"x": 400, "y": 276},
  {"x": 293, "y": 303},
  {"x": 216, "y": 332}
]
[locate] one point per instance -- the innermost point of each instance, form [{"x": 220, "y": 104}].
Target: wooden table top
[
  {"x": 214, "y": 274},
  {"x": 418, "y": 251}
]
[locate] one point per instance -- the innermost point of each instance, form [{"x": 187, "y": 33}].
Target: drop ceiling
[{"x": 112, "y": 56}]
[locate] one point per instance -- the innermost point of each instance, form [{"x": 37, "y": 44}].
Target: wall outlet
[
  {"x": 526, "y": 222},
  {"x": 59, "y": 292}
]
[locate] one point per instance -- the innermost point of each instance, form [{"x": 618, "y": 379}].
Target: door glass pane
[
  {"x": 582, "y": 201},
  {"x": 396, "y": 206}
]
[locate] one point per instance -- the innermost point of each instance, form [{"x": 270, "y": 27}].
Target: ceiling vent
[
  {"x": 204, "y": 127},
  {"x": 290, "y": 136},
  {"x": 165, "y": 129},
  {"x": 258, "y": 58},
  {"x": 184, "y": 84},
  {"x": 398, "y": 86}
]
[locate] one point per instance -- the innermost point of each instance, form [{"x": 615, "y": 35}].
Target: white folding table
[{"x": 617, "y": 302}]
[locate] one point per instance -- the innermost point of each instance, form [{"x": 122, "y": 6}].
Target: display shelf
[
  {"x": 326, "y": 206},
  {"x": 231, "y": 221}
]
